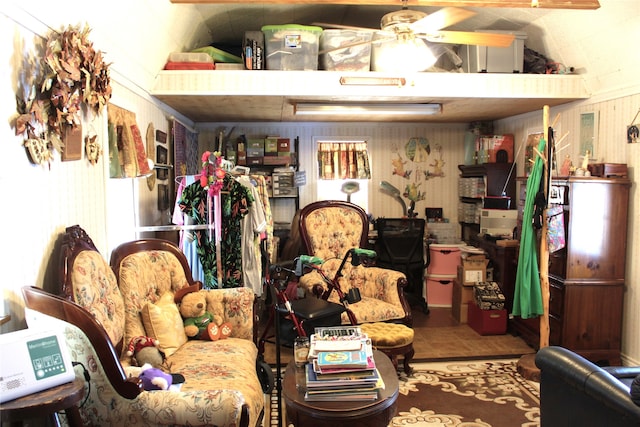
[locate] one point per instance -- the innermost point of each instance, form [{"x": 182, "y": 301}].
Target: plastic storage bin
[
  {"x": 444, "y": 259},
  {"x": 354, "y": 58},
  {"x": 292, "y": 46},
  {"x": 491, "y": 59},
  {"x": 440, "y": 290}
]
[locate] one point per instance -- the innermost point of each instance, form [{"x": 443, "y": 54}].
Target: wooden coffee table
[{"x": 377, "y": 413}]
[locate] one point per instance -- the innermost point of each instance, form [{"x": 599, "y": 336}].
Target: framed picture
[
  {"x": 588, "y": 132},
  {"x": 163, "y": 197},
  {"x": 533, "y": 139},
  {"x": 162, "y": 170}
]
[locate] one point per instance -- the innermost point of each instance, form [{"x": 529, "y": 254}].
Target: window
[{"x": 343, "y": 170}]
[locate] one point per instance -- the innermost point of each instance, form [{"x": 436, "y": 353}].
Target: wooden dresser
[{"x": 587, "y": 276}]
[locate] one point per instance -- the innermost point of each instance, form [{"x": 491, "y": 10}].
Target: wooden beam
[{"x": 543, "y": 4}]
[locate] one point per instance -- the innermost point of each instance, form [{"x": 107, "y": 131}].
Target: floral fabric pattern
[
  {"x": 218, "y": 382},
  {"x": 220, "y": 376},
  {"x": 378, "y": 289},
  {"x": 335, "y": 241},
  {"x": 95, "y": 288},
  {"x": 145, "y": 277}
]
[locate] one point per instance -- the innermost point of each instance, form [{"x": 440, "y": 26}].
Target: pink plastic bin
[{"x": 444, "y": 259}]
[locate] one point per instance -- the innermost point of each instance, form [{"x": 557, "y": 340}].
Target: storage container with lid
[
  {"x": 439, "y": 290},
  {"x": 352, "y": 58},
  {"x": 444, "y": 259},
  {"x": 292, "y": 46}
]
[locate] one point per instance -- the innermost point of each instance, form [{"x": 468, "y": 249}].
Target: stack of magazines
[{"x": 341, "y": 366}]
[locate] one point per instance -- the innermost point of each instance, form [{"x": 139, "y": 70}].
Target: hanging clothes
[
  {"x": 263, "y": 192},
  {"x": 187, "y": 243},
  {"x": 527, "y": 298},
  {"x": 253, "y": 226},
  {"x": 236, "y": 201}
]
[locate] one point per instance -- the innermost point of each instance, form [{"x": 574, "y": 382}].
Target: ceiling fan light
[
  {"x": 366, "y": 109},
  {"x": 410, "y": 55}
]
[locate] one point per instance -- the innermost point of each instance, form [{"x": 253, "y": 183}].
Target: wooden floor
[{"x": 438, "y": 336}]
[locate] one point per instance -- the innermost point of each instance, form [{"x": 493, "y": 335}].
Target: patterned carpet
[{"x": 484, "y": 393}]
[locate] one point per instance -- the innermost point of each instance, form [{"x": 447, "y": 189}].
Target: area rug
[
  {"x": 488, "y": 393},
  {"x": 485, "y": 393}
]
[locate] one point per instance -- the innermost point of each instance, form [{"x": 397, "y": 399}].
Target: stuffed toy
[
  {"x": 154, "y": 378},
  {"x": 145, "y": 350},
  {"x": 198, "y": 322}
]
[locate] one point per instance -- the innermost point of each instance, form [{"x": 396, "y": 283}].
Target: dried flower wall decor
[{"x": 74, "y": 73}]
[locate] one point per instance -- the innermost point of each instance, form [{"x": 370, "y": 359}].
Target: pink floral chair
[
  {"x": 103, "y": 310},
  {"x": 329, "y": 229}
]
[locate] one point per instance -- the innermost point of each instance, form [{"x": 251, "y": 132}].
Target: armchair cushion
[
  {"x": 378, "y": 289},
  {"x": 104, "y": 301},
  {"x": 162, "y": 321},
  {"x": 143, "y": 278}
]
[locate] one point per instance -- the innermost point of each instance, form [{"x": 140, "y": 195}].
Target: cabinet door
[
  {"x": 597, "y": 232},
  {"x": 592, "y": 318}
]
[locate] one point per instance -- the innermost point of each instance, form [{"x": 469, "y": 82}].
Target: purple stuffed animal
[{"x": 154, "y": 379}]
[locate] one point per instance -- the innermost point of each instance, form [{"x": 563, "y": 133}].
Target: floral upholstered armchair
[
  {"x": 221, "y": 385},
  {"x": 329, "y": 229}
]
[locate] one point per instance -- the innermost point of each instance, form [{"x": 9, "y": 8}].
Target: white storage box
[
  {"x": 490, "y": 59},
  {"x": 292, "y": 46},
  {"x": 354, "y": 58}
]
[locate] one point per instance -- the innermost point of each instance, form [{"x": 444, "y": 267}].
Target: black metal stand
[{"x": 278, "y": 364}]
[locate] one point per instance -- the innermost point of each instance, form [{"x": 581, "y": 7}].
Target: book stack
[{"x": 341, "y": 366}]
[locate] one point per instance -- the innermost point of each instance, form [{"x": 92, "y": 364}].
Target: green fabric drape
[{"x": 527, "y": 300}]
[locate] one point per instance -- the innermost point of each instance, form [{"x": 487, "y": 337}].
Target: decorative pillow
[
  {"x": 162, "y": 321},
  {"x": 635, "y": 390}
]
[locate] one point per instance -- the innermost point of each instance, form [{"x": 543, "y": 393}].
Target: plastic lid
[
  {"x": 310, "y": 28},
  {"x": 218, "y": 55}
]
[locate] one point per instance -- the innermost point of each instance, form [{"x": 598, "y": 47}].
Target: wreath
[{"x": 74, "y": 74}]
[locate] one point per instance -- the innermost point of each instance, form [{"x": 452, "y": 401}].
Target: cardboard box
[
  {"x": 462, "y": 296},
  {"x": 285, "y": 191},
  {"x": 271, "y": 146},
  {"x": 255, "y": 144},
  {"x": 255, "y": 152},
  {"x": 487, "y": 322},
  {"x": 470, "y": 273},
  {"x": 284, "y": 145}
]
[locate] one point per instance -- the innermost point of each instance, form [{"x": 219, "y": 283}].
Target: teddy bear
[
  {"x": 200, "y": 323},
  {"x": 145, "y": 350}
]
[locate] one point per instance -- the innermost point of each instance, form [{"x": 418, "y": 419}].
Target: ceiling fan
[{"x": 407, "y": 24}]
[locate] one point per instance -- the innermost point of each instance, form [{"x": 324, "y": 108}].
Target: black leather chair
[
  {"x": 576, "y": 392},
  {"x": 400, "y": 246}
]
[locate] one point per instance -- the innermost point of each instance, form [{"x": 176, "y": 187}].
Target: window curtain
[{"x": 343, "y": 160}]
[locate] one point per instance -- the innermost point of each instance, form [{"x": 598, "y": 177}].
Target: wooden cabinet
[
  {"x": 587, "y": 276},
  {"x": 477, "y": 183}
]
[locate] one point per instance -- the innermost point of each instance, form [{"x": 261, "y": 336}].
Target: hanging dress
[{"x": 235, "y": 203}]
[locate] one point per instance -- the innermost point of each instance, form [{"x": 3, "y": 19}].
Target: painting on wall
[
  {"x": 533, "y": 139},
  {"x": 588, "y": 131},
  {"x": 417, "y": 162}
]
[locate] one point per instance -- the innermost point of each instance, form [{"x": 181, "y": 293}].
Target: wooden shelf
[{"x": 268, "y": 95}]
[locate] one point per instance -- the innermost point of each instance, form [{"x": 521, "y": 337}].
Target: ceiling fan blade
[
  {"x": 471, "y": 37},
  {"x": 443, "y": 18},
  {"x": 360, "y": 43},
  {"x": 342, "y": 27}
]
